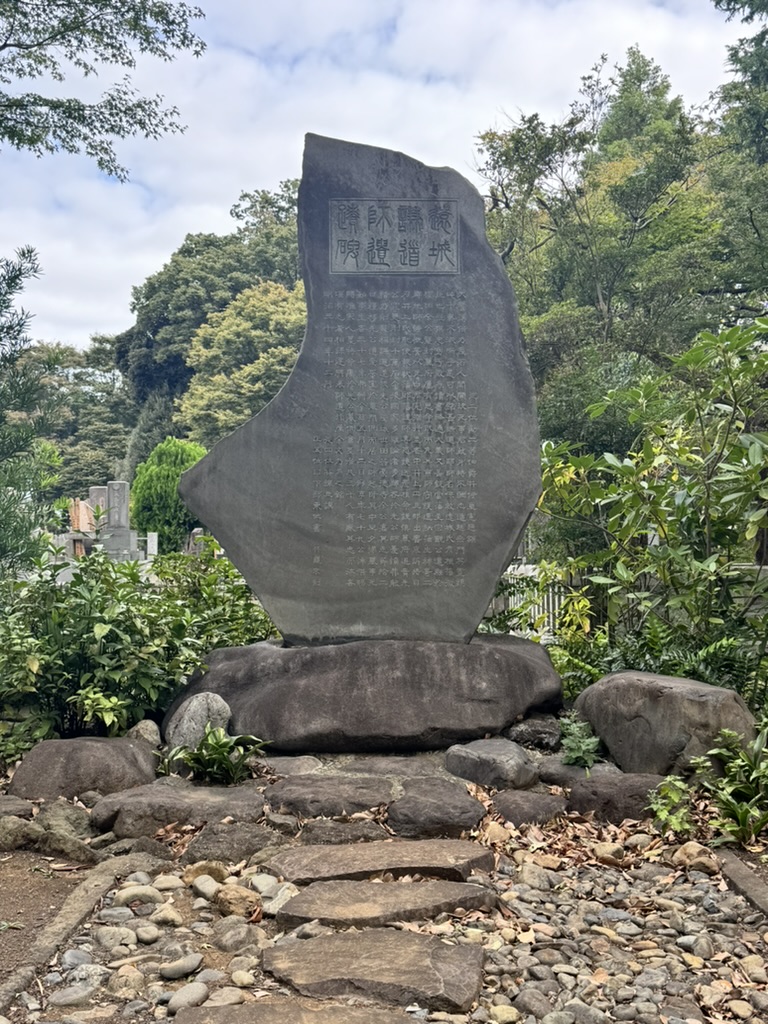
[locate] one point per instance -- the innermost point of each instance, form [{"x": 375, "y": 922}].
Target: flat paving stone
[
  {"x": 396, "y": 967},
  {"x": 315, "y": 796},
  {"x": 277, "y": 1010},
  {"x": 372, "y": 904},
  {"x": 454, "y": 859}
]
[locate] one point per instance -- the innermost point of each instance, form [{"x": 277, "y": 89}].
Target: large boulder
[
  {"x": 378, "y": 694},
  {"x": 614, "y": 798},
  {"x": 652, "y": 723},
  {"x": 67, "y": 768}
]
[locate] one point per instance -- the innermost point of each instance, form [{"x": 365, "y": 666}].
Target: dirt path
[{"x": 32, "y": 890}]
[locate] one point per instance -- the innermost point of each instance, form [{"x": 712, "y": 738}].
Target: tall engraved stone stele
[{"x": 383, "y": 491}]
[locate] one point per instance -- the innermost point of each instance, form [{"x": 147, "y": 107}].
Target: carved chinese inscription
[
  {"x": 394, "y": 236},
  {"x": 399, "y": 467}
]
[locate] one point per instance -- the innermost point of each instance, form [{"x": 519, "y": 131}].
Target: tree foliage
[
  {"x": 155, "y": 501},
  {"x": 94, "y": 417},
  {"x": 26, "y": 406},
  {"x": 679, "y": 515},
  {"x": 202, "y": 277},
  {"x": 608, "y": 227},
  {"x": 59, "y": 38},
  {"x": 241, "y": 357}
]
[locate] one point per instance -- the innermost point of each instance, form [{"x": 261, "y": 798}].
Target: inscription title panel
[{"x": 394, "y": 236}]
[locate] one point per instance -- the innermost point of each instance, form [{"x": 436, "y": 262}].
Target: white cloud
[{"x": 422, "y": 76}]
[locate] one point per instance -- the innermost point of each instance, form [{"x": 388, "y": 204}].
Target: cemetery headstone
[{"x": 383, "y": 491}]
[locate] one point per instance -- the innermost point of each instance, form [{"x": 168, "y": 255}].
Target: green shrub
[
  {"x": 740, "y": 793},
  {"x": 94, "y": 646},
  {"x": 218, "y": 759},
  {"x": 579, "y": 744},
  {"x": 155, "y": 501},
  {"x": 670, "y": 804}
]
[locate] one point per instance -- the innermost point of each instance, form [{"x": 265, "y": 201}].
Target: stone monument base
[{"x": 373, "y": 695}]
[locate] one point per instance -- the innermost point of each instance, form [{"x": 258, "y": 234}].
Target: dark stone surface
[
  {"x": 614, "y": 797},
  {"x": 529, "y": 806},
  {"x": 230, "y": 842},
  {"x": 495, "y": 762},
  {"x": 328, "y": 796},
  {"x": 398, "y": 967},
  {"x": 282, "y": 1010},
  {"x": 454, "y": 859},
  {"x": 16, "y": 806},
  {"x": 539, "y": 731},
  {"x": 554, "y": 772},
  {"x": 344, "y": 904},
  {"x": 433, "y": 807},
  {"x": 142, "y": 811},
  {"x": 323, "y": 832},
  {"x": 378, "y": 694},
  {"x": 67, "y": 768},
  {"x": 652, "y": 723},
  {"x": 400, "y": 462}
]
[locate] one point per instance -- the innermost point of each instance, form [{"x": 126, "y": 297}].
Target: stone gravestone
[
  {"x": 373, "y": 504},
  {"x": 383, "y": 491}
]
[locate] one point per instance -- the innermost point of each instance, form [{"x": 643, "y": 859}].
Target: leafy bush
[
  {"x": 218, "y": 759},
  {"x": 155, "y": 501},
  {"x": 670, "y": 804},
  {"x": 94, "y": 646},
  {"x": 580, "y": 746},
  {"x": 673, "y": 587},
  {"x": 740, "y": 794}
]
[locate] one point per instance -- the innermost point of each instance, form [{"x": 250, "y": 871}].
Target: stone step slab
[
  {"x": 433, "y": 807},
  {"x": 277, "y": 1010},
  {"x": 452, "y": 859},
  {"x": 343, "y": 904},
  {"x": 328, "y": 796},
  {"x": 395, "y": 967}
]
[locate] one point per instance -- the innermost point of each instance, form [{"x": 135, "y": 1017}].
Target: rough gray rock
[
  {"x": 614, "y": 797},
  {"x": 652, "y": 723},
  {"x": 323, "y": 832},
  {"x": 186, "y": 726},
  {"x": 528, "y": 806},
  {"x": 539, "y": 731},
  {"x": 378, "y": 695},
  {"x": 397, "y": 967},
  {"x": 554, "y": 772},
  {"x": 433, "y": 807},
  {"x": 496, "y": 762},
  {"x": 343, "y": 904},
  {"x": 230, "y": 842},
  {"x": 15, "y": 806},
  {"x": 281, "y": 1010},
  {"x": 142, "y": 811},
  {"x": 453, "y": 859},
  {"x": 67, "y": 768},
  {"x": 328, "y": 796}
]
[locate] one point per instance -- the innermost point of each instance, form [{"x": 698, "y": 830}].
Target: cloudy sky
[{"x": 422, "y": 76}]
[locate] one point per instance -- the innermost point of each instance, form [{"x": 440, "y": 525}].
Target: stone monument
[
  {"x": 376, "y": 500},
  {"x": 382, "y": 493}
]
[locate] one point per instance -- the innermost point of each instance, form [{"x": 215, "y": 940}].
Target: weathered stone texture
[
  {"x": 652, "y": 723},
  {"x": 409, "y": 413}
]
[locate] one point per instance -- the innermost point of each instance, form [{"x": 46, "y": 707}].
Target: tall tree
[
  {"x": 25, "y": 408},
  {"x": 241, "y": 357},
  {"x": 95, "y": 416},
  {"x": 59, "y": 38},
  {"x": 202, "y": 277},
  {"x": 608, "y": 232}
]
